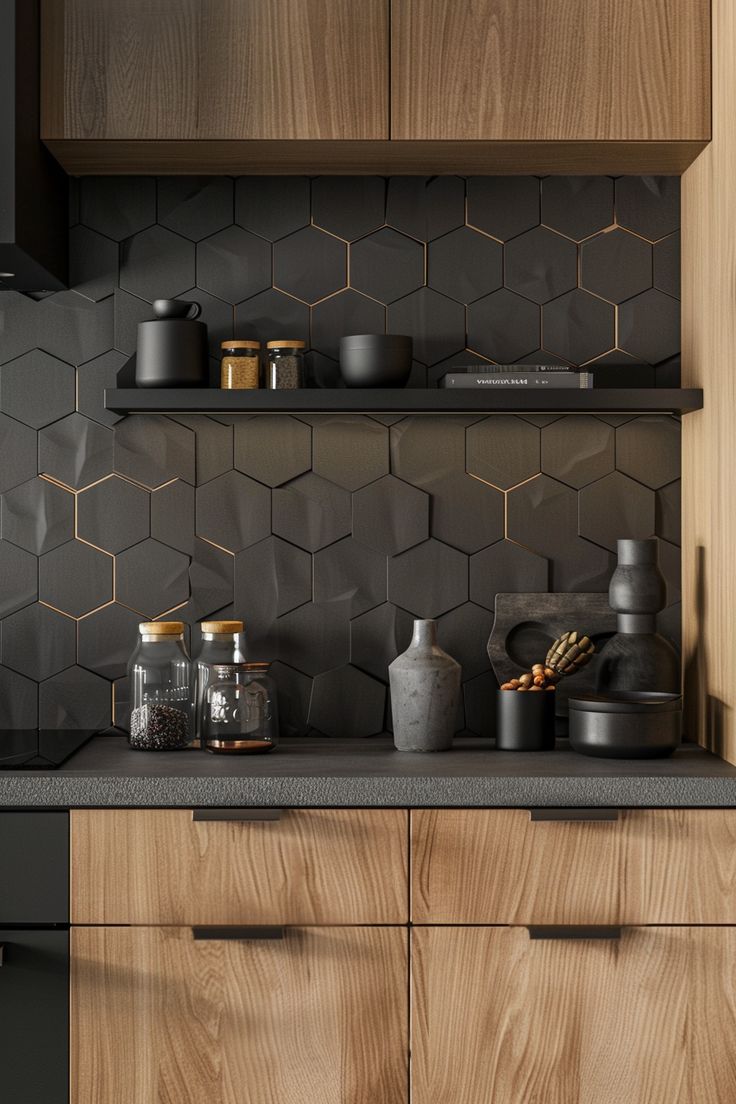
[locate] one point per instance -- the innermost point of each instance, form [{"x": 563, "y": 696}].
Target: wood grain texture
[
  {"x": 314, "y": 866},
  {"x": 157, "y": 1018},
  {"x": 495, "y": 866},
  {"x": 550, "y": 69},
  {"x": 649, "y": 1019},
  {"x": 708, "y": 341},
  {"x": 219, "y": 69},
  {"x": 101, "y": 158}
]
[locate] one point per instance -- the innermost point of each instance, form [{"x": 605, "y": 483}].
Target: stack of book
[{"x": 517, "y": 375}]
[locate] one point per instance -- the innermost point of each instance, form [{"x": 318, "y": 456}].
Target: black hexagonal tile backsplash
[{"x": 327, "y": 534}]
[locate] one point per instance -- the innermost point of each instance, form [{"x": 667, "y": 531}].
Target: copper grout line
[{"x": 215, "y": 545}]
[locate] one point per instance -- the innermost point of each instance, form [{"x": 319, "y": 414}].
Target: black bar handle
[
  {"x": 231, "y": 933},
  {"x": 573, "y": 814},
  {"x": 573, "y": 931},
  {"x": 236, "y": 814},
  {"x": 2, "y": 954}
]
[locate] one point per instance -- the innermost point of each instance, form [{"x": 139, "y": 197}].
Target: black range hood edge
[{"x": 33, "y": 187}]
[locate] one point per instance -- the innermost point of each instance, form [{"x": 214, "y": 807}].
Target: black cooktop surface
[{"x": 39, "y": 748}]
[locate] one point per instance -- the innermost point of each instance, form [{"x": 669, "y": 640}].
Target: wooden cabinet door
[
  {"x": 215, "y": 69},
  {"x": 550, "y": 70},
  {"x": 649, "y": 1018},
  {"x": 318, "y": 1017}
]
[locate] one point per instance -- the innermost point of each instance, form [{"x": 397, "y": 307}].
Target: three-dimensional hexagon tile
[
  {"x": 541, "y": 265},
  {"x": 113, "y": 514},
  {"x": 578, "y": 449},
  {"x": 347, "y": 702},
  {"x": 648, "y": 449},
  {"x": 350, "y": 451},
  {"x": 502, "y": 450},
  {"x": 75, "y": 578},
  {"x": 386, "y": 265},
  {"x": 233, "y": 511},
  {"x": 465, "y": 265},
  {"x": 37, "y": 388},
  {"x": 309, "y": 264},
  {"x": 152, "y": 578},
  {"x": 614, "y": 507},
  {"x": 390, "y": 515},
  {"x": 38, "y": 515},
  {"x": 106, "y": 638},
  {"x": 350, "y": 576},
  {"x": 429, "y": 579},
  {"x": 273, "y": 450},
  {"x": 311, "y": 512},
  {"x": 38, "y": 642},
  {"x": 233, "y": 264},
  {"x": 506, "y": 567}
]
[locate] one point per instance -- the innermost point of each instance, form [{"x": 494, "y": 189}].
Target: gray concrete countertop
[{"x": 319, "y": 772}]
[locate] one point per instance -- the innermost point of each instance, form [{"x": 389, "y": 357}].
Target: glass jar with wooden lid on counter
[
  {"x": 285, "y": 368},
  {"x": 241, "y": 365}
]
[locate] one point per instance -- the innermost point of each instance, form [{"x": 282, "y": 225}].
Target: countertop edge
[{"x": 117, "y": 791}]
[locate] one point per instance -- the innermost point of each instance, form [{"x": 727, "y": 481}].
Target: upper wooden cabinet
[
  {"x": 550, "y": 70},
  {"x": 352, "y": 86},
  {"x": 215, "y": 69}
]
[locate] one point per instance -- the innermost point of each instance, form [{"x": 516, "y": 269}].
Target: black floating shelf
[{"x": 409, "y": 400}]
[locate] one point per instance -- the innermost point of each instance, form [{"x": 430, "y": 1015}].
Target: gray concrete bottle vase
[{"x": 425, "y": 693}]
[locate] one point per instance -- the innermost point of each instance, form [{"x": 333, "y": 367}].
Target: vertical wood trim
[
  {"x": 52, "y": 68},
  {"x": 709, "y": 345}
]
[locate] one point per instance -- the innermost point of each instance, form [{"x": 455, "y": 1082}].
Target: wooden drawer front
[
  {"x": 318, "y": 1016},
  {"x": 497, "y": 866},
  {"x": 312, "y": 866},
  {"x": 646, "y": 1019}
]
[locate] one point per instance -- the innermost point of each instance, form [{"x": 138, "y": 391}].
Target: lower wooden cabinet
[
  {"x": 319, "y": 1016},
  {"x": 649, "y": 1018}
]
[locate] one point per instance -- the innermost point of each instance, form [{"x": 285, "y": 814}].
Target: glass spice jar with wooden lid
[
  {"x": 241, "y": 365},
  {"x": 285, "y": 369}
]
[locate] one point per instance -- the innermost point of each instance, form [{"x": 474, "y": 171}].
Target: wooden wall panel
[{"x": 709, "y": 345}]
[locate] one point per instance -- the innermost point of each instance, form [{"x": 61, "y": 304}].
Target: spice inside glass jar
[
  {"x": 241, "y": 365},
  {"x": 285, "y": 368}
]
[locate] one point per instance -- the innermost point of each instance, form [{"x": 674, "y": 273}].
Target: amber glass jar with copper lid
[{"x": 240, "y": 368}]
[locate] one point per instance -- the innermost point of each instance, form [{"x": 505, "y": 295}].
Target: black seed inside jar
[{"x": 158, "y": 728}]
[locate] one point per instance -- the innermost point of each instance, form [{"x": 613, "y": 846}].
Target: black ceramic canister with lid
[{"x": 172, "y": 347}]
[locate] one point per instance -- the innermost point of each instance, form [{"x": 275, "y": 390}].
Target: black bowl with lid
[
  {"x": 376, "y": 360},
  {"x": 626, "y": 724}
]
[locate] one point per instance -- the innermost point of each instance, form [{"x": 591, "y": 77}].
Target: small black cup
[{"x": 525, "y": 720}]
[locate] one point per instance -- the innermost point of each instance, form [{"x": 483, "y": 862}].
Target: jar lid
[
  {"x": 222, "y": 626},
  {"x": 256, "y": 666},
  {"x": 161, "y": 628},
  {"x": 240, "y": 345},
  {"x": 286, "y": 343}
]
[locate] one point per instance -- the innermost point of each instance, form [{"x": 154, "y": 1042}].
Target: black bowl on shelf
[
  {"x": 626, "y": 724},
  {"x": 375, "y": 360}
]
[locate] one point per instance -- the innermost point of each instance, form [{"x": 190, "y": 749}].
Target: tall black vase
[{"x": 637, "y": 657}]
